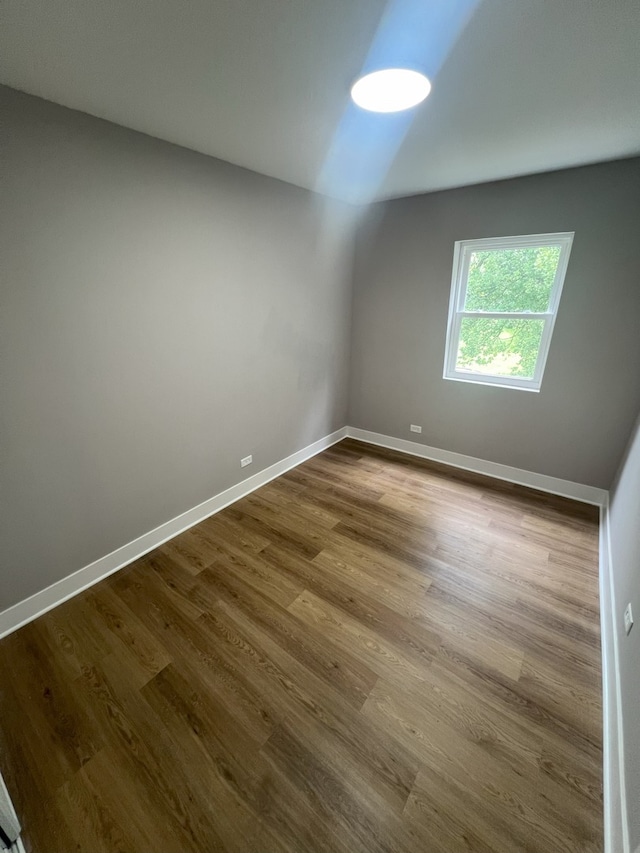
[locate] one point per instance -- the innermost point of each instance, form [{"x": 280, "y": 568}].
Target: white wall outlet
[
  {"x": 628, "y": 618},
  {"x": 415, "y": 428},
  {"x": 246, "y": 461}
]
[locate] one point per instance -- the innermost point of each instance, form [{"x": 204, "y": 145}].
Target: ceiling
[{"x": 527, "y": 86}]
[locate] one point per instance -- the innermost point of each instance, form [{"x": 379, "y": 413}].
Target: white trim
[
  {"x": 613, "y": 755},
  {"x": 542, "y": 482},
  {"x": 10, "y": 823},
  {"x": 507, "y": 315},
  {"x": 494, "y": 382},
  {"x": 612, "y": 731},
  {"x": 613, "y": 777},
  {"x": 462, "y": 252},
  {"x": 26, "y": 611}
]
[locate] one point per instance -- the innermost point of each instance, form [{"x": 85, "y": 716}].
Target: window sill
[{"x": 494, "y": 383}]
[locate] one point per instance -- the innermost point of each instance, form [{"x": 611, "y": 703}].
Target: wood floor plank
[
  {"x": 333, "y": 663},
  {"x": 228, "y": 766},
  {"x": 300, "y": 697},
  {"x": 479, "y": 642},
  {"x": 99, "y": 828},
  {"x": 383, "y": 656},
  {"x": 406, "y": 600},
  {"x": 262, "y": 575},
  {"x": 526, "y": 808},
  {"x": 133, "y": 644},
  {"x": 62, "y": 730},
  {"x": 371, "y": 653},
  {"x": 199, "y": 654}
]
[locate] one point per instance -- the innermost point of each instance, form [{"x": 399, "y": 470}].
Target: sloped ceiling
[{"x": 522, "y": 86}]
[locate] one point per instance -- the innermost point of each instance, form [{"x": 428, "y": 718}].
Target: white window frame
[{"x": 461, "y": 259}]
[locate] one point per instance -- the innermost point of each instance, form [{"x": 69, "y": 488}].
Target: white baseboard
[
  {"x": 615, "y": 807},
  {"x": 564, "y": 488},
  {"x": 9, "y": 818},
  {"x": 26, "y": 611},
  {"x": 616, "y": 825}
]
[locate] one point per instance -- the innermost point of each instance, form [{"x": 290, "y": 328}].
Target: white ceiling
[{"x": 530, "y": 85}]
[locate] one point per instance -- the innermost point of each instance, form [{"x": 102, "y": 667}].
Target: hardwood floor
[{"x": 371, "y": 653}]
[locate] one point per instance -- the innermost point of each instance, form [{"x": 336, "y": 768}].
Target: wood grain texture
[{"x": 372, "y": 653}]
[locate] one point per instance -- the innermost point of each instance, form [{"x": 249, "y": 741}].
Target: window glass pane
[
  {"x": 511, "y": 279},
  {"x": 499, "y": 347}
]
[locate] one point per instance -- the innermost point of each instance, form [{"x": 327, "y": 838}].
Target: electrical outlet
[
  {"x": 628, "y": 618},
  {"x": 246, "y": 461},
  {"x": 415, "y": 428}
]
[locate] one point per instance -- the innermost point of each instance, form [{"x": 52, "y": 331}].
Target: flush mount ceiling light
[{"x": 390, "y": 90}]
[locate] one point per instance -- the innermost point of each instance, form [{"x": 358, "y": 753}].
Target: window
[{"x": 504, "y": 299}]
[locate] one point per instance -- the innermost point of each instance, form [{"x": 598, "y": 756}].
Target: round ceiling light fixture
[{"x": 390, "y": 90}]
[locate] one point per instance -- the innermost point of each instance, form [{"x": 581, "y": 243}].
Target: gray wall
[
  {"x": 624, "y": 530},
  {"x": 163, "y": 314},
  {"x": 577, "y": 426}
]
